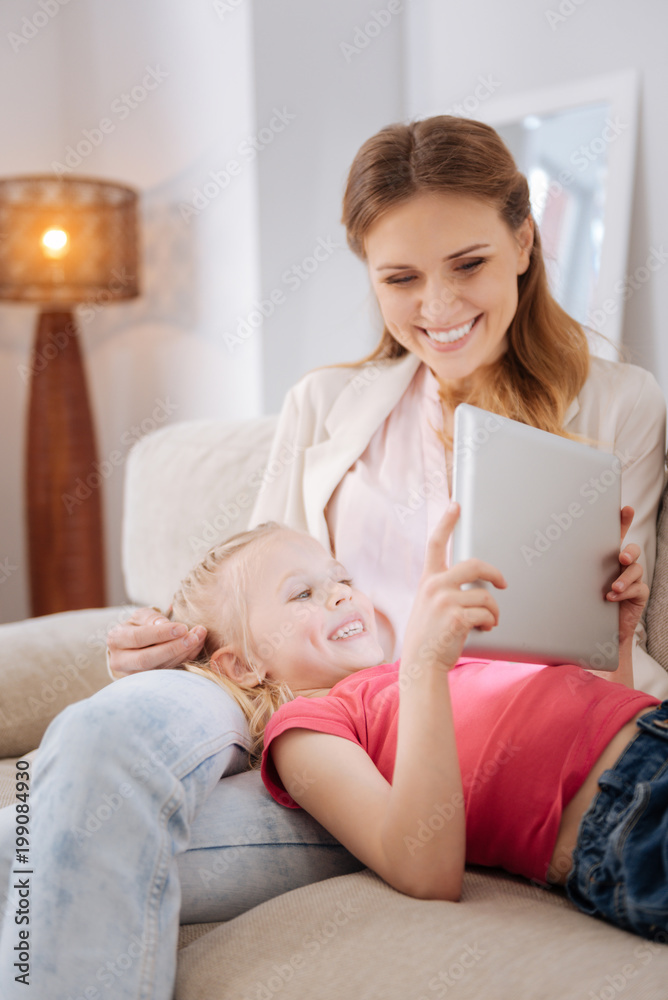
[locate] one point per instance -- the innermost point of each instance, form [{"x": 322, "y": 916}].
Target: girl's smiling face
[
  {"x": 444, "y": 268},
  {"x": 309, "y": 625}
]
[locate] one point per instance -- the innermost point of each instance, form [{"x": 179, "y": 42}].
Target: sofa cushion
[
  {"x": 47, "y": 664},
  {"x": 187, "y": 487},
  {"x": 354, "y": 936},
  {"x": 656, "y": 615}
]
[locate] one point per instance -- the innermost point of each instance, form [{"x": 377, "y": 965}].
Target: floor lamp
[{"x": 65, "y": 240}]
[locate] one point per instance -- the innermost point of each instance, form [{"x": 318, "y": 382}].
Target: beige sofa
[{"x": 350, "y": 936}]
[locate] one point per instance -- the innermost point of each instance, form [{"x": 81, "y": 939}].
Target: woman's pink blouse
[{"x": 389, "y": 502}]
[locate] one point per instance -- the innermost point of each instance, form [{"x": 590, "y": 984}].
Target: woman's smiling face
[{"x": 444, "y": 268}]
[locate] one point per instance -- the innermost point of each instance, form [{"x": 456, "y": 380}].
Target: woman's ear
[
  {"x": 524, "y": 237},
  {"x": 230, "y": 665}
]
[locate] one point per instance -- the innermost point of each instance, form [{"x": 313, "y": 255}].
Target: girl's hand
[
  {"x": 443, "y": 614},
  {"x": 149, "y": 641},
  {"x": 628, "y": 589}
]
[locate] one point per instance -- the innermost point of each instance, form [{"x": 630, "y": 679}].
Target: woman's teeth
[
  {"x": 353, "y": 628},
  {"x": 450, "y": 336}
]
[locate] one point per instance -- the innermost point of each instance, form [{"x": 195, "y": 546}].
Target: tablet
[{"x": 545, "y": 511}]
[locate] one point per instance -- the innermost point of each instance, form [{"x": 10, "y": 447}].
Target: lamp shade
[{"x": 67, "y": 240}]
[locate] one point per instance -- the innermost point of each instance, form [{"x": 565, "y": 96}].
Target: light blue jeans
[{"x": 132, "y": 832}]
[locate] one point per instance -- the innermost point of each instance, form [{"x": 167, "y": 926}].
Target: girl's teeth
[
  {"x": 449, "y": 336},
  {"x": 353, "y": 629}
]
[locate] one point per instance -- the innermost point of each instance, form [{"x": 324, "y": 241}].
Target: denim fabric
[
  {"x": 620, "y": 864},
  {"x": 132, "y": 828}
]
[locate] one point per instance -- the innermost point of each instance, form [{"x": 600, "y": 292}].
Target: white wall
[
  {"x": 533, "y": 44},
  {"x": 161, "y": 357},
  {"x": 340, "y": 71},
  {"x": 30, "y": 124}
]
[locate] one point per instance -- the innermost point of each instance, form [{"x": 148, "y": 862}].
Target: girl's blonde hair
[
  {"x": 547, "y": 360},
  {"x": 213, "y": 594}
]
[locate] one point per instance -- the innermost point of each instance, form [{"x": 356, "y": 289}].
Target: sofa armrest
[{"x": 46, "y": 664}]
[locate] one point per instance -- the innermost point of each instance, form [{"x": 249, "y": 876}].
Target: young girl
[{"x": 422, "y": 765}]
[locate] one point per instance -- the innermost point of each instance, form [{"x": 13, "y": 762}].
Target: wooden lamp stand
[{"x": 63, "y": 482}]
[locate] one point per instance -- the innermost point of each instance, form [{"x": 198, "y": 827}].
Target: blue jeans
[
  {"x": 132, "y": 830},
  {"x": 620, "y": 864}
]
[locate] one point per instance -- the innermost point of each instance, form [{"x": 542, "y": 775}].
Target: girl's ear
[{"x": 229, "y": 665}]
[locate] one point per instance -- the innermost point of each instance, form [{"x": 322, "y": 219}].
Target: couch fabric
[
  {"x": 47, "y": 664},
  {"x": 656, "y": 616},
  {"x": 187, "y": 487},
  {"x": 351, "y": 936}
]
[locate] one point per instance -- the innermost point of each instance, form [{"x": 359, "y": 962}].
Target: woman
[{"x": 441, "y": 216}]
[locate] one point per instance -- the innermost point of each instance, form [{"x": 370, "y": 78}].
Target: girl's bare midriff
[{"x": 560, "y": 864}]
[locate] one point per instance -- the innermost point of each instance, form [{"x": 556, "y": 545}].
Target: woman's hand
[
  {"x": 628, "y": 589},
  {"x": 443, "y": 614},
  {"x": 149, "y": 641}
]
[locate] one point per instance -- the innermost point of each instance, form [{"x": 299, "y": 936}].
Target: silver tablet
[{"x": 545, "y": 511}]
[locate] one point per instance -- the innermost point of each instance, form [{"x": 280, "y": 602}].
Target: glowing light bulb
[{"x": 55, "y": 242}]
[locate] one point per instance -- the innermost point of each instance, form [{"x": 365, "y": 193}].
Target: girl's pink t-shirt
[
  {"x": 388, "y": 504},
  {"x": 527, "y": 737}
]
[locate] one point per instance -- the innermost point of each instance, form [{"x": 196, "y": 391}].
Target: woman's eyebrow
[{"x": 452, "y": 256}]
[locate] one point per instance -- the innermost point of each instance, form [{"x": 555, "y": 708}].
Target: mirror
[{"x": 576, "y": 145}]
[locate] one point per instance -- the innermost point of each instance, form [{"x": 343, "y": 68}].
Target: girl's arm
[{"x": 336, "y": 781}]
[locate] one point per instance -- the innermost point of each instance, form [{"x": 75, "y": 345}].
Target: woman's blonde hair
[
  {"x": 547, "y": 360},
  {"x": 213, "y": 594}
]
